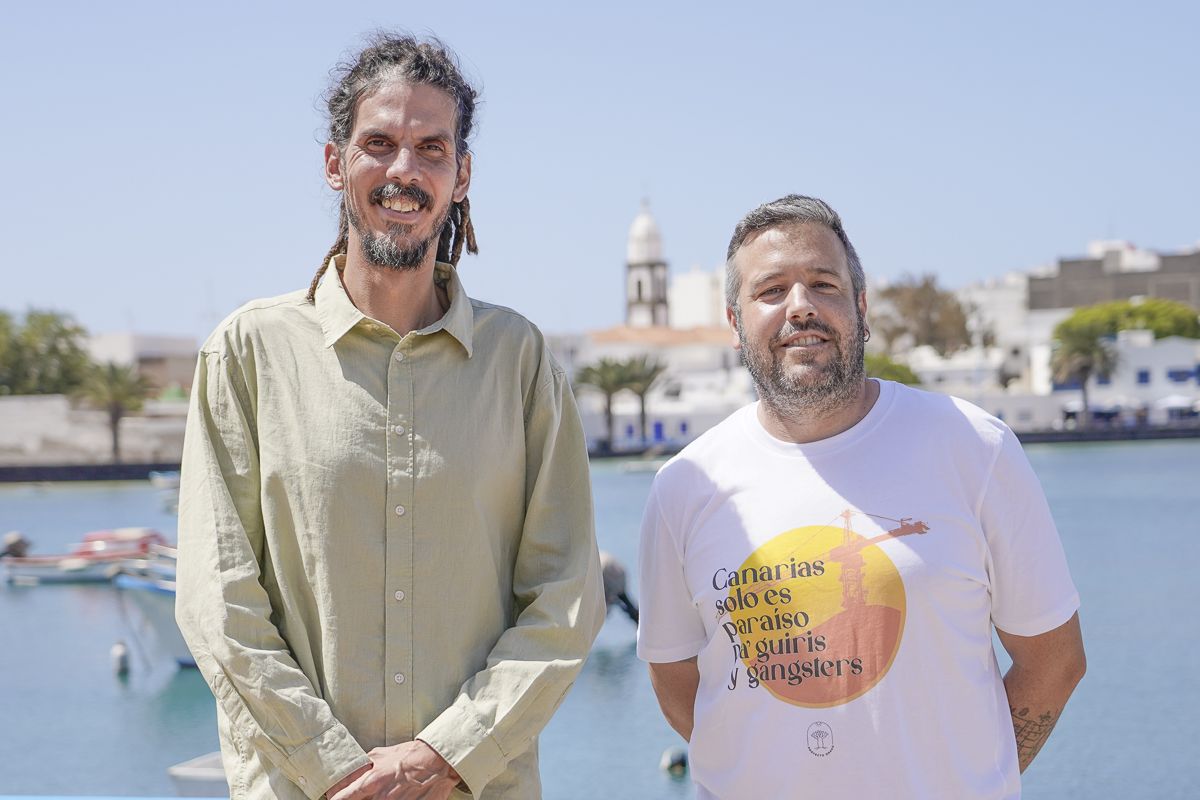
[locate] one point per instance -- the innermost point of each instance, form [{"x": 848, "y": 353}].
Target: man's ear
[
  {"x": 333, "y": 167},
  {"x": 463, "y": 180},
  {"x": 731, "y": 318}
]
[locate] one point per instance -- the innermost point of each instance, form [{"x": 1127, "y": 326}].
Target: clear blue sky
[{"x": 162, "y": 160}]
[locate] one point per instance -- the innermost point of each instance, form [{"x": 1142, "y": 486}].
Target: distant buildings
[{"x": 1155, "y": 381}]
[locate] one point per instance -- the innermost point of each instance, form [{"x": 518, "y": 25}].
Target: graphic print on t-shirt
[{"x": 815, "y": 615}]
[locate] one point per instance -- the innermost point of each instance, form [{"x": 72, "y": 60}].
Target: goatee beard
[
  {"x": 795, "y": 397},
  {"x": 386, "y": 249}
]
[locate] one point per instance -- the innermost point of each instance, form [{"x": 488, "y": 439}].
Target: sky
[{"x": 163, "y": 160}]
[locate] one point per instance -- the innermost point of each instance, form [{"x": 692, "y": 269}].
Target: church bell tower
[{"x": 645, "y": 274}]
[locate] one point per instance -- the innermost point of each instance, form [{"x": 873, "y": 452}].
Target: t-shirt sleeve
[
  {"x": 669, "y": 627},
  {"x": 1031, "y": 586}
]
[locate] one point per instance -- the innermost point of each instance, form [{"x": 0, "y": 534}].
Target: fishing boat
[{"x": 96, "y": 559}]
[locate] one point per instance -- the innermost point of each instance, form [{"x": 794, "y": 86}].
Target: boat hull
[{"x": 149, "y": 603}]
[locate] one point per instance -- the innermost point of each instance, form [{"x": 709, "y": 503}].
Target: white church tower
[{"x": 646, "y": 274}]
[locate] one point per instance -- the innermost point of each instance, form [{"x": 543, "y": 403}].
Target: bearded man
[
  {"x": 387, "y": 568},
  {"x": 821, "y": 572}
]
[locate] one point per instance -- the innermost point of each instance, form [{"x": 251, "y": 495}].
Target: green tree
[
  {"x": 1164, "y": 317},
  {"x": 607, "y": 376},
  {"x": 119, "y": 390},
  {"x": 641, "y": 372},
  {"x": 1082, "y": 348},
  {"x": 10, "y": 354},
  {"x": 881, "y": 366},
  {"x": 43, "y": 355},
  {"x": 918, "y": 308}
]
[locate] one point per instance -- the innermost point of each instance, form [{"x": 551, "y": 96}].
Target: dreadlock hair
[{"x": 405, "y": 58}]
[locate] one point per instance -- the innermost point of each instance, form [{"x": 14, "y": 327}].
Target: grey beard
[
  {"x": 384, "y": 250},
  {"x": 787, "y": 397}
]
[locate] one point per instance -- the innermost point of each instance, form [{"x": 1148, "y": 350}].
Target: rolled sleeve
[{"x": 559, "y": 597}]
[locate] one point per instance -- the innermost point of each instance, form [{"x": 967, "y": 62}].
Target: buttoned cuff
[
  {"x": 324, "y": 760},
  {"x": 459, "y": 738}
]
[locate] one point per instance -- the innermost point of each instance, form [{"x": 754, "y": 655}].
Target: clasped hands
[{"x": 408, "y": 771}]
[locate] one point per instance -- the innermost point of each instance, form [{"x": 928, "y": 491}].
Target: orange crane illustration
[{"x": 849, "y": 553}]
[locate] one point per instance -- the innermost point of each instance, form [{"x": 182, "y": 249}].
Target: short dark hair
[
  {"x": 792, "y": 209},
  {"x": 403, "y": 57}
]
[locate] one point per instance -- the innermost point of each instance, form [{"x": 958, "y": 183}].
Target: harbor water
[{"x": 1129, "y": 515}]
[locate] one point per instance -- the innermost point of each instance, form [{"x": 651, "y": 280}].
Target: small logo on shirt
[{"x": 820, "y": 739}]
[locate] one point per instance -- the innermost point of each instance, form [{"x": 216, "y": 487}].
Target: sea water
[{"x": 1129, "y": 515}]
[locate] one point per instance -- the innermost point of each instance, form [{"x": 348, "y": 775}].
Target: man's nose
[
  {"x": 799, "y": 303},
  {"x": 403, "y": 168}
]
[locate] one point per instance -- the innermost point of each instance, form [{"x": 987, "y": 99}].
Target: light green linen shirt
[{"x": 382, "y": 539}]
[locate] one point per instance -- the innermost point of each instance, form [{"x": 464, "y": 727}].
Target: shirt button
[
  {"x": 399, "y": 511},
  {"x": 399, "y": 356},
  {"x": 399, "y": 594},
  {"x": 399, "y": 429},
  {"x": 303, "y": 781},
  {"x": 399, "y": 677}
]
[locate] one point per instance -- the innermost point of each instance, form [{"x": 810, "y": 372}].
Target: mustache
[
  {"x": 392, "y": 191},
  {"x": 791, "y": 329}
]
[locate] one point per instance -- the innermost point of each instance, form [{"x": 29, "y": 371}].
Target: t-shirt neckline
[{"x": 760, "y": 436}]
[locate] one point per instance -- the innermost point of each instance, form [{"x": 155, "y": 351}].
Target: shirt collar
[{"x": 338, "y": 315}]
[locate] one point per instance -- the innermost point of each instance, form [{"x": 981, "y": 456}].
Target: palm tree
[
  {"x": 641, "y": 373},
  {"x": 607, "y": 376},
  {"x": 119, "y": 390},
  {"x": 1079, "y": 353}
]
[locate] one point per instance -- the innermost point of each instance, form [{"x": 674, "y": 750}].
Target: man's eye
[{"x": 435, "y": 147}]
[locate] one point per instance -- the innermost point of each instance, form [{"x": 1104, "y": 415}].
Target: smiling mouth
[
  {"x": 804, "y": 341},
  {"x": 401, "y": 204}
]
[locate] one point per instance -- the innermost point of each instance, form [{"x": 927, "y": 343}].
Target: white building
[
  {"x": 162, "y": 360},
  {"x": 697, "y": 299}
]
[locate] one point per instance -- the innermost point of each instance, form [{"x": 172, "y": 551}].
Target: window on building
[
  {"x": 1179, "y": 375},
  {"x": 1104, "y": 380},
  {"x": 1143, "y": 377},
  {"x": 683, "y": 427}
]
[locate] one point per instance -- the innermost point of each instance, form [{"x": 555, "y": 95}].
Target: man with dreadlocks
[{"x": 387, "y": 574}]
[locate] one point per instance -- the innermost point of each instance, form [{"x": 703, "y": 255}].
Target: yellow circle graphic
[{"x": 816, "y": 614}]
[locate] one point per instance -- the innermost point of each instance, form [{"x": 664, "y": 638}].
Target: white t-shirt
[{"x": 840, "y": 595}]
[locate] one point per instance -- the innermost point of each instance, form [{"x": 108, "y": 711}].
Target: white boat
[
  {"x": 148, "y": 600},
  {"x": 200, "y": 777}
]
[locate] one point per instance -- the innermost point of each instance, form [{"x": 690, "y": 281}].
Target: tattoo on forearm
[{"x": 1031, "y": 731}]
